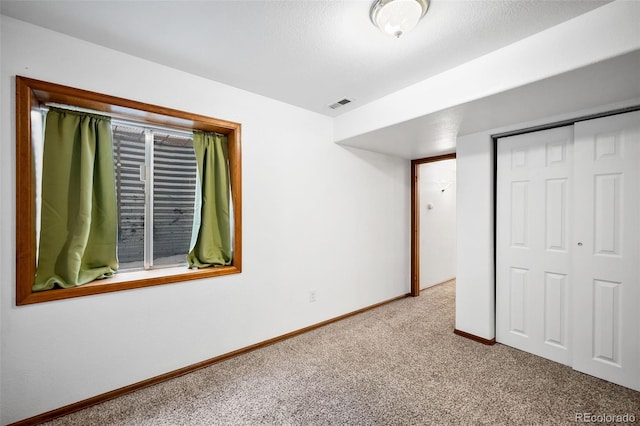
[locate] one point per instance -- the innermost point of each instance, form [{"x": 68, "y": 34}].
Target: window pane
[
  {"x": 37, "y": 147},
  {"x": 128, "y": 147},
  {"x": 174, "y": 185}
]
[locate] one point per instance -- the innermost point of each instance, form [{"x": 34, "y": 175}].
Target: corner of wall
[{"x": 475, "y": 293}]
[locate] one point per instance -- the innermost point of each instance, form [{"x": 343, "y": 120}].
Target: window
[
  {"x": 155, "y": 183},
  {"x": 156, "y": 174}
]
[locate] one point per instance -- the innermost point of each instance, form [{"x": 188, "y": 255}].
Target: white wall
[
  {"x": 438, "y": 223},
  {"x": 475, "y": 271},
  {"x": 5, "y": 235},
  {"x": 316, "y": 216}
]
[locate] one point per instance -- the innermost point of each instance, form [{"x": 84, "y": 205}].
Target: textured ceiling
[{"x": 308, "y": 53}]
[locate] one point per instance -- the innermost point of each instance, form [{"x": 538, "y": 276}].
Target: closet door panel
[
  {"x": 606, "y": 258},
  {"x": 532, "y": 241}
]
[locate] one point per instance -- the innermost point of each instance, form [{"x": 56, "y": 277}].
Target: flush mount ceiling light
[{"x": 396, "y": 17}]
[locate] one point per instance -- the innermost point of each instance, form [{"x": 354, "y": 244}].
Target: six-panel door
[
  {"x": 568, "y": 246},
  {"x": 533, "y": 271},
  {"x": 606, "y": 255}
]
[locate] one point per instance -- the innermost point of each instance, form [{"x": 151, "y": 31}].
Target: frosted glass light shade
[{"x": 396, "y": 17}]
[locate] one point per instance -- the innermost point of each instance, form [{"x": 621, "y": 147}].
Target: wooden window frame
[{"x": 31, "y": 95}]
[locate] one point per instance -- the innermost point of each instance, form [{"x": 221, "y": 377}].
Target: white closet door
[
  {"x": 533, "y": 277},
  {"x": 606, "y": 256}
]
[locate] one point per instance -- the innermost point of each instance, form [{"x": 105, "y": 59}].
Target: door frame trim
[
  {"x": 562, "y": 123},
  {"x": 415, "y": 219}
]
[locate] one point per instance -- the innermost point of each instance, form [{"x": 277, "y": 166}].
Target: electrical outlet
[{"x": 312, "y": 296}]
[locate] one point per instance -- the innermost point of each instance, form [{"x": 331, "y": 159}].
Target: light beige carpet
[{"x": 399, "y": 364}]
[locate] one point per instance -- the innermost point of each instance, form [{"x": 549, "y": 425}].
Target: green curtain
[
  {"x": 211, "y": 238},
  {"x": 78, "y": 237}
]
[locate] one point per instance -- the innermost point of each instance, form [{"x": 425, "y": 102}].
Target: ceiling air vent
[{"x": 340, "y": 103}]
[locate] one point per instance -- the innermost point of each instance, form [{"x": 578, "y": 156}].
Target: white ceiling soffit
[
  {"x": 614, "y": 82},
  {"x": 305, "y": 53}
]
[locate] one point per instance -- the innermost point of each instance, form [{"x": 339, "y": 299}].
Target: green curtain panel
[
  {"x": 211, "y": 239},
  {"x": 79, "y": 231}
]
